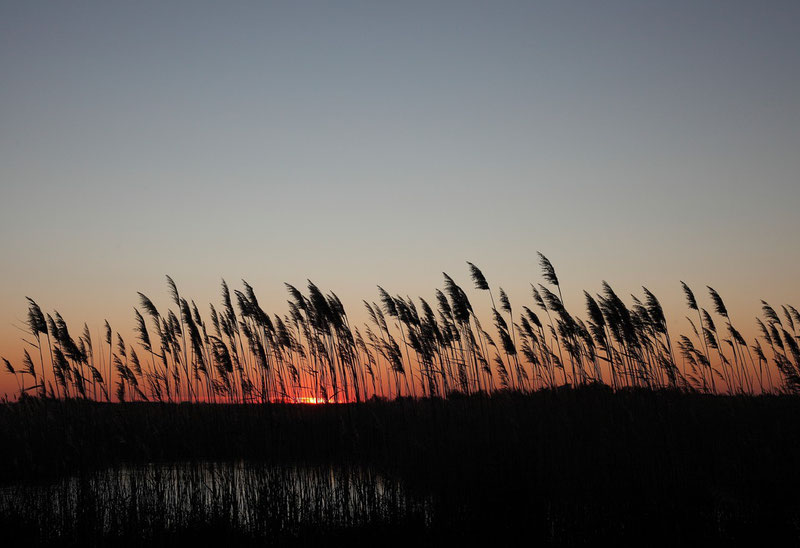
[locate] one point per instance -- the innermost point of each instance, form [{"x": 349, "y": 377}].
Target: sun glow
[{"x": 311, "y": 400}]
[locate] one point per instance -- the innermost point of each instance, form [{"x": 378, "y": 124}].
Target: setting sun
[{"x": 311, "y": 400}]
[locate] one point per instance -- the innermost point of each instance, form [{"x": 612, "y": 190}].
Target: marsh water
[{"x": 250, "y": 498}]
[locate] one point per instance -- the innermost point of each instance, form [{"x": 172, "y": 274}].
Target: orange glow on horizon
[{"x": 310, "y": 400}]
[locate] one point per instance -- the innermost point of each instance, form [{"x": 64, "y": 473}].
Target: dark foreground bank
[{"x": 556, "y": 467}]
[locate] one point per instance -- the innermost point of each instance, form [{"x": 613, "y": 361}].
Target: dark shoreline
[{"x": 564, "y": 466}]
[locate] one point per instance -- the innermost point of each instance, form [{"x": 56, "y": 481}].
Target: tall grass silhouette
[
  {"x": 529, "y": 422},
  {"x": 239, "y": 352}
]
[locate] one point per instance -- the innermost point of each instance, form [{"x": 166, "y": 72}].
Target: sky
[{"x": 364, "y": 143}]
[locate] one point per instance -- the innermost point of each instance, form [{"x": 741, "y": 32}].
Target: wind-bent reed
[{"x": 312, "y": 354}]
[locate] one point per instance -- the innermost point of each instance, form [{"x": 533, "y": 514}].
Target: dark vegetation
[
  {"x": 554, "y": 429},
  {"x": 563, "y": 466}
]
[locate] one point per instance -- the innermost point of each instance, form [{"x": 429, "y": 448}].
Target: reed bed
[
  {"x": 437, "y": 430},
  {"x": 408, "y": 348}
]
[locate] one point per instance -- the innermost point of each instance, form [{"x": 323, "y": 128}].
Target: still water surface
[{"x": 252, "y": 498}]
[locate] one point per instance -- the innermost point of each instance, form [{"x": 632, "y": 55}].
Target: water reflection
[{"x": 252, "y": 498}]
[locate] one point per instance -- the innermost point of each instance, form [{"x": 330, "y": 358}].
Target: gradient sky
[{"x": 357, "y": 143}]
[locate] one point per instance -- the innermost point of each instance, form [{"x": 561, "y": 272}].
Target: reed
[{"x": 314, "y": 353}]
